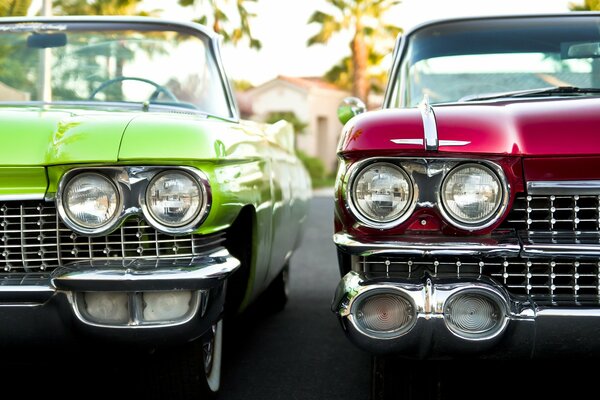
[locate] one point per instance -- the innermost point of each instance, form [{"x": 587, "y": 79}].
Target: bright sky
[{"x": 281, "y": 26}]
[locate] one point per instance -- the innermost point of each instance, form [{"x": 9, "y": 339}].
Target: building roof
[{"x": 308, "y": 82}]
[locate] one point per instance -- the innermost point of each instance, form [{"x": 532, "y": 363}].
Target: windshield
[
  {"x": 102, "y": 62},
  {"x": 464, "y": 60}
]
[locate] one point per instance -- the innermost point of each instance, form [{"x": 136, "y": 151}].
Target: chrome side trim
[
  {"x": 22, "y": 197},
  {"x": 407, "y": 141},
  {"x": 442, "y": 142},
  {"x": 454, "y": 142},
  {"x": 429, "y": 125},
  {"x": 430, "y": 246},
  {"x": 563, "y": 187}
]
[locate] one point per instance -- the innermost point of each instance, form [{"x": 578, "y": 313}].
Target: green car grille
[{"x": 34, "y": 241}]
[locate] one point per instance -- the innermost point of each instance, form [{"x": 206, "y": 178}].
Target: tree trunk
[{"x": 360, "y": 80}]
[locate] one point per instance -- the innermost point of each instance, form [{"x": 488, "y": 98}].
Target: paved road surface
[{"x": 301, "y": 352}]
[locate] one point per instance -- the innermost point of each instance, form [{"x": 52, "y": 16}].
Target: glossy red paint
[
  {"x": 562, "y": 168},
  {"x": 540, "y": 127}
]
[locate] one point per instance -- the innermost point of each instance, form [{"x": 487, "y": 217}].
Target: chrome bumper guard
[
  {"x": 53, "y": 303},
  {"x": 528, "y": 329}
]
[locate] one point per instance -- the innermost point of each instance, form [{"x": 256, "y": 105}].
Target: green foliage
[
  {"x": 588, "y": 5},
  {"x": 217, "y": 16},
  {"x": 289, "y": 116},
  {"x": 96, "y": 7},
  {"x": 315, "y": 167},
  {"x": 372, "y": 39},
  {"x": 14, "y": 8},
  {"x": 241, "y": 85}
]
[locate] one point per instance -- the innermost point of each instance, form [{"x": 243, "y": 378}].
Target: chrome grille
[
  {"x": 34, "y": 242},
  {"x": 536, "y": 278},
  {"x": 555, "y": 213}
]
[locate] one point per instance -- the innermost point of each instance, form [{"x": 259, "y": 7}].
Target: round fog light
[
  {"x": 166, "y": 306},
  {"x": 384, "y": 314},
  {"x": 109, "y": 308},
  {"x": 475, "y": 314}
]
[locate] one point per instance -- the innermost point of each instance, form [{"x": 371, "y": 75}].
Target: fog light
[
  {"x": 384, "y": 314},
  {"x": 166, "y": 306},
  {"x": 475, "y": 314},
  {"x": 107, "y": 307}
]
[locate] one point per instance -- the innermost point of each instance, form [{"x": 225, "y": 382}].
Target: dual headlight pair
[
  {"x": 93, "y": 202},
  {"x": 470, "y": 195}
]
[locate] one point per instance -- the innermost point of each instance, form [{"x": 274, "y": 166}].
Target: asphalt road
[{"x": 300, "y": 352}]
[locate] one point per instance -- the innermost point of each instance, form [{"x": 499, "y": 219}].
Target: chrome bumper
[
  {"x": 523, "y": 245},
  {"x": 47, "y": 311},
  {"x": 531, "y": 330}
]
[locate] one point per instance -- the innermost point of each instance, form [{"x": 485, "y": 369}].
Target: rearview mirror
[
  {"x": 582, "y": 50},
  {"x": 350, "y": 107}
]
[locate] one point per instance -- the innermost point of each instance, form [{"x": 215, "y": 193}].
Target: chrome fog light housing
[
  {"x": 381, "y": 195},
  {"x": 473, "y": 195},
  {"x": 475, "y": 314},
  {"x": 174, "y": 200},
  {"x": 166, "y": 306},
  {"x": 89, "y": 202},
  {"x": 383, "y": 314},
  {"x": 107, "y": 308}
]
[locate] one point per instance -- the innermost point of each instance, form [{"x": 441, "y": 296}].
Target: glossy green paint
[
  {"x": 30, "y": 182},
  {"x": 247, "y": 165},
  {"x": 53, "y": 136}
]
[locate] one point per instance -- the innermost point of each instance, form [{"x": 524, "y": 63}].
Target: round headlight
[
  {"x": 472, "y": 194},
  {"x": 90, "y": 200},
  {"x": 174, "y": 198},
  {"x": 382, "y": 193}
]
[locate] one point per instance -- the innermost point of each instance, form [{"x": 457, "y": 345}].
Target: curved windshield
[
  {"x": 110, "y": 62},
  {"x": 475, "y": 59}
]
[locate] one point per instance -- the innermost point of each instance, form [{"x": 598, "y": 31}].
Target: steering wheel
[{"x": 159, "y": 88}]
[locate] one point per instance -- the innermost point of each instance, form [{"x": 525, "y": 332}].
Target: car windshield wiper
[{"x": 549, "y": 91}]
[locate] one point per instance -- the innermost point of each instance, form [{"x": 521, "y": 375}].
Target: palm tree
[
  {"x": 364, "y": 19},
  {"x": 219, "y": 20},
  {"x": 14, "y": 8},
  {"x": 588, "y": 5}
]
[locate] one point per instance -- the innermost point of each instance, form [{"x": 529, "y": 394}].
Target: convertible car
[
  {"x": 467, "y": 216},
  {"x": 136, "y": 208}
]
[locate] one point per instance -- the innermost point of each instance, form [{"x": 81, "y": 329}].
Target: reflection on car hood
[
  {"x": 31, "y": 136},
  {"x": 532, "y": 127}
]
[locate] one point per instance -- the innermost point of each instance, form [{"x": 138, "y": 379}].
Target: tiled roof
[{"x": 308, "y": 82}]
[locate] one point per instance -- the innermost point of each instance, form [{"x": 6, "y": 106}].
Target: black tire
[
  {"x": 276, "y": 295},
  {"x": 403, "y": 379},
  {"x": 190, "y": 372}
]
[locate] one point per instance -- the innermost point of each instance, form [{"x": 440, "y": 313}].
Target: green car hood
[{"x": 34, "y": 137}]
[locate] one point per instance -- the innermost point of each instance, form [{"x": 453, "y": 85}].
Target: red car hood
[{"x": 548, "y": 127}]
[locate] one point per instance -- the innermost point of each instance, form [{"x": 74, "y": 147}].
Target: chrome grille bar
[
  {"x": 538, "y": 278},
  {"x": 34, "y": 242},
  {"x": 555, "y": 213}
]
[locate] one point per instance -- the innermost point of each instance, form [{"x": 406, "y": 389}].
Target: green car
[{"x": 136, "y": 207}]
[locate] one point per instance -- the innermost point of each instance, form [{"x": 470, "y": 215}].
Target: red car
[{"x": 467, "y": 215}]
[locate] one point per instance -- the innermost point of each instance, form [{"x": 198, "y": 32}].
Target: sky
[{"x": 281, "y": 26}]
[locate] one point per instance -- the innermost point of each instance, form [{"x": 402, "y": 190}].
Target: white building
[{"x": 313, "y": 101}]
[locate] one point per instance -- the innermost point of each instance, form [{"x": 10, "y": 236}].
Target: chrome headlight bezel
[
  {"x": 358, "y": 171},
  {"x": 199, "y": 215},
  {"x": 461, "y": 223},
  {"x": 65, "y": 213},
  {"x": 132, "y": 183}
]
